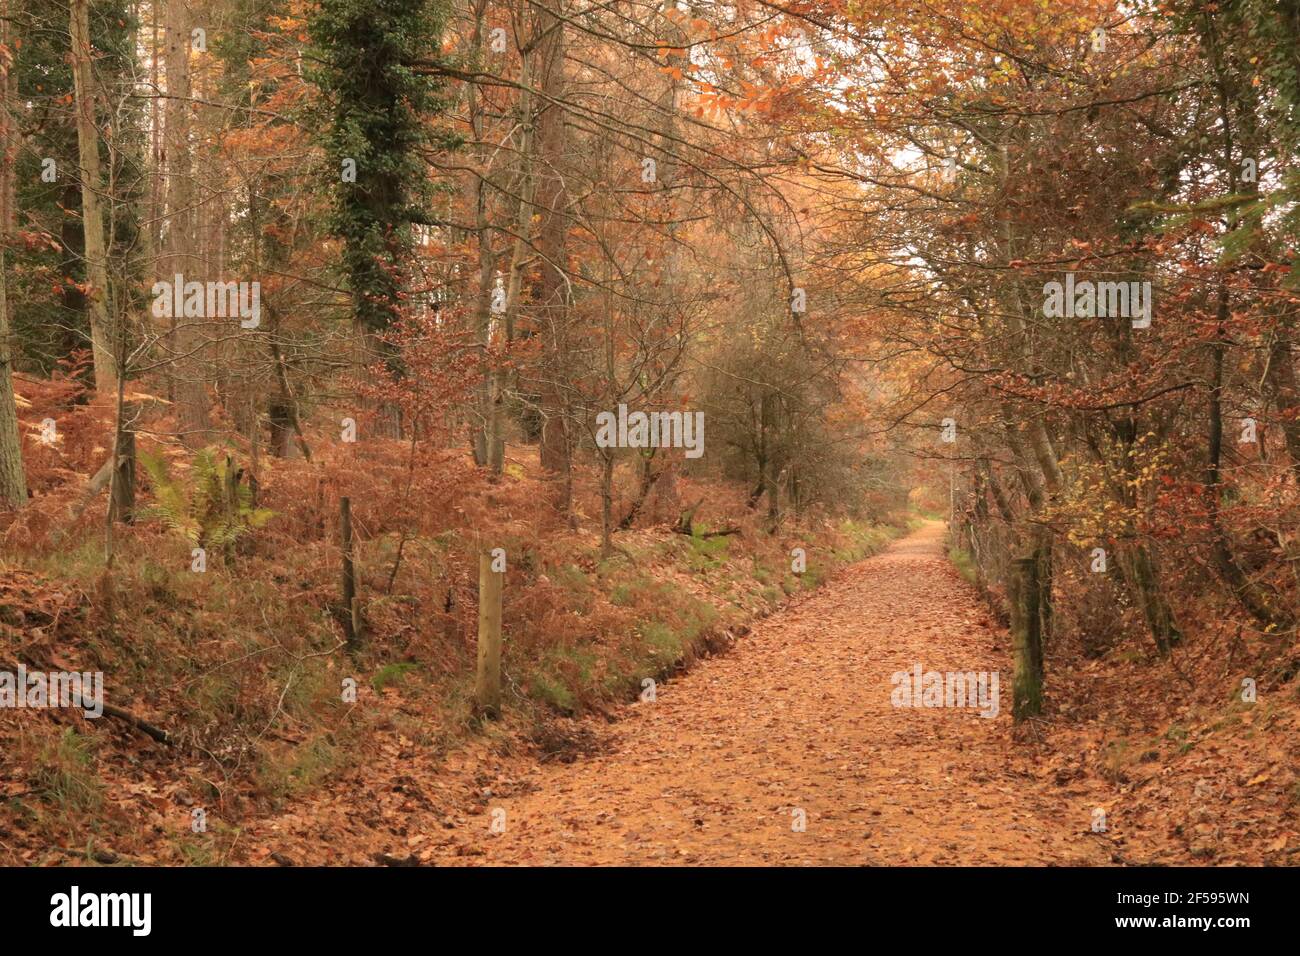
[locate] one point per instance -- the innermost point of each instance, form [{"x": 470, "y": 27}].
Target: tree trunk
[
  {"x": 606, "y": 503},
  {"x": 282, "y": 410},
  {"x": 552, "y": 300},
  {"x": 1143, "y": 583},
  {"x": 13, "y": 481},
  {"x": 648, "y": 478},
  {"x": 92, "y": 215},
  {"x": 486, "y": 431},
  {"x": 1254, "y": 598},
  {"x": 525, "y": 187},
  {"x": 122, "y": 504},
  {"x": 190, "y": 386},
  {"x": 1285, "y": 393}
]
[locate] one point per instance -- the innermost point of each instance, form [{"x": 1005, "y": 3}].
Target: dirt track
[{"x": 798, "y": 716}]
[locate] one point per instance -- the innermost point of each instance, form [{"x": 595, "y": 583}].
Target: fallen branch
[
  {"x": 720, "y": 533},
  {"x": 686, "y": 525},
  {"x": 139, "y": 723}
]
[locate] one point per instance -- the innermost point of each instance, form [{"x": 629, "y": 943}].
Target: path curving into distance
[{"x": 798, "y": 717}]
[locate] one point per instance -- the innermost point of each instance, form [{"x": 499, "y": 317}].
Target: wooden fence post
[
  {"x": 1026, "y": 637},
  {"x": 351, "y": 610},
  {"x": 487, "y": 689}
]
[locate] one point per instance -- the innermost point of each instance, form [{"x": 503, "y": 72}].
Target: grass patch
[
  {"x": 390, "y": 674},
  {"x": 965, "y": 565},
  {"x": 65, "y": 775},
  {"x": 287, "y": 771},
  {"x": 661, "y": 641},
  {"x": 707, "y": 554}
]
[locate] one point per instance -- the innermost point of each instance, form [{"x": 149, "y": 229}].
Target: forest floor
[
  {"x": 781, "y": 745},
  {"x": 794, "y": 724}
]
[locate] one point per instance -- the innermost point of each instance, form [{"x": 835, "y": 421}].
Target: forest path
[{"x": 798, "y": 716}]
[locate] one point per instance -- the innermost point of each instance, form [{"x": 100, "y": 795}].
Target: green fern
[{"x": 213, "y": 510}]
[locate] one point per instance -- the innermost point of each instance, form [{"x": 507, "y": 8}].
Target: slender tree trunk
[
  {"x": 122, "y": 501},
  {"x": 92, "y": 215},
  {"x": 525, "y": 188},
  {"x": 1285, "y": 392},
  {"x": 606, "y": 502},
  {"x": 154, "y": 208},
  {"x": 190, "y": 384},
  {"x": 1253, "y": 597},
  {"x": 553, "y": 245},
  {"x": 286, "y": 424},
  {"x": 1137, "y": 565},
  {"x": 1256, "y": 599},
  {"x": 648, "y": 479},
  {"x": 486, "y": 431},
  {"x": 1143, "y": 581},
  {"x": 13, "y": 481}
]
